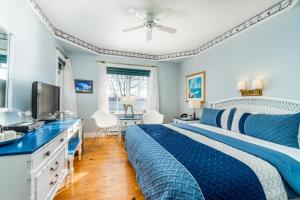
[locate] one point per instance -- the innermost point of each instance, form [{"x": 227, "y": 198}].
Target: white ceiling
[{"x": 100, "y": 22}]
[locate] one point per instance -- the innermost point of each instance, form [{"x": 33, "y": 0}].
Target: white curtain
[
  {"x": 153, "y": 97},
  {"x": 102, "y": 89},
  {"x": 69, "y": 101}
]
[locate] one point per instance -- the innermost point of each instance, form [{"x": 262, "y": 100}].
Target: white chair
[
  {"x": 153, "y": 117},
  {"x": 106, "y": 122}
]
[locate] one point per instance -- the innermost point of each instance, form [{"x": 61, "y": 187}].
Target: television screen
[
  {"x": 45, "y": 100},
  {"x": 84, "y": 86}
]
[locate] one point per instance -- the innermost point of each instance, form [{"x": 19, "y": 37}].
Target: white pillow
[
  {"x": 239, "y": 120},
  {"x": 224, "y": 118},
  {"x": 236, "y": 121},
  {"x": 227, "y": 117}
]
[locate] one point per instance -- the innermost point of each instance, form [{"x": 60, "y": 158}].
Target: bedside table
[
  {"x": 127, "y": 121},
  {"x": 185, "y": 121}
]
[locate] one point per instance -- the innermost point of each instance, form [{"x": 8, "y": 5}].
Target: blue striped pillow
[
  {"x": 280, "y": 129},
  {"x": 211, "y": 117},
  {"x": 238, "y": 123},
  {"x": 227, "y": 117}
]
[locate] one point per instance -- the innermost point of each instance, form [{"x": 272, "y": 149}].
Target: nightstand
[
  {"x": 127, "y": 121},
  {"x": 185, "y": 121}
]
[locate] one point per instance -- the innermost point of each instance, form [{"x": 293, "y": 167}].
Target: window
[
  {"x": 120, "y": 85},
  {"x": 4, "y": 81}
]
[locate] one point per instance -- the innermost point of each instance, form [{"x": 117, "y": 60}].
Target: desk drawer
[
  {"x": 47, "y": 179},
  {"x": 129, "y": 122},
  {"x": 45, "y": 153}
]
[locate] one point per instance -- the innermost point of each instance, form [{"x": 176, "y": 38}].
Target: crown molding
[{"x": 257, "y": 19}]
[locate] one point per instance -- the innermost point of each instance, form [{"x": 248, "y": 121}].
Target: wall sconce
[{"x": 257, "y": 87}]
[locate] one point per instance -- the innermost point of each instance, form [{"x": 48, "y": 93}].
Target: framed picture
[
  {"x": 195, "y": 87},
  {"x": 84, "y": 86}
]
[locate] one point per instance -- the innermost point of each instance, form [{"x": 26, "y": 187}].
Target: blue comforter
[
  {"x": 287, "y": 166},
  {"x": 170, "y": 165}
]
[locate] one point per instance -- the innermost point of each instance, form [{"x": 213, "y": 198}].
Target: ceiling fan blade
[
  {"x": 132, "y": 28},
  {"x": 149, "y": 34},
  {"x": 166, "y": 29},
  {"x": 137, "y": 13}
]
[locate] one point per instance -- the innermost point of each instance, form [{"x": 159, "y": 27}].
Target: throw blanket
[
  {"x": 214, "y": 171},
  {"x": 158, "y": 173},
  {"x": 170, "y": 165},
  {"x": 287, "y": 166}
]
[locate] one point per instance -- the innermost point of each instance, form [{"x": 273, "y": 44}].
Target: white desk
[{"x": 34, "y": 167}]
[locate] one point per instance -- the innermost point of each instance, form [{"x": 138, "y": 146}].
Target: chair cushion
[
  {"x": 211, "y": 117},
  {"x": 72, "y": 145},
  {"x": 280, "y": 129}
]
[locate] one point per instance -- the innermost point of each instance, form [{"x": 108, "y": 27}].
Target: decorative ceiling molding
[
  {"x": 276, "y": 9},
  {"x": 93, "y": 48}
]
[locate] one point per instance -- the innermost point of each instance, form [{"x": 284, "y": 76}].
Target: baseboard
[
  {"x": 93, "y": 134},
  {"x": 90, "y": 135}
]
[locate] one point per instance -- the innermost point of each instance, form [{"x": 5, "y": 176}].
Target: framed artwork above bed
[{"x": 195, "y": 87}]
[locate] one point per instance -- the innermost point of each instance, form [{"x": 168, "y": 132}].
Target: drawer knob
[
  {"x": 56, "y": 179},
  {"x": 62, "y": 139},
  {"x": 47, "y": 153},
  {"x": 53, "y": 169}
]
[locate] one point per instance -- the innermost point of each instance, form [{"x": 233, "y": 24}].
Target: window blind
[
  {"x": 3, "y": 58},
  {"x": 128, "y": 71}
]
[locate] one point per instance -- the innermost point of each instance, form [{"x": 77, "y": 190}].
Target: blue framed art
[
  {"x": 84, "y": 86},
  {"x": 195, "y": 87}
]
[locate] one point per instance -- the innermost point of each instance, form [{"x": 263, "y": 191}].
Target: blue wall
[
  {"x": 34, "y": 51},
  {"x": 85, "y": 67},
  {"x": 270, "y": 51}
]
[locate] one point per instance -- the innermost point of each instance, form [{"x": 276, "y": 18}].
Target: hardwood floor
[{"x": 103, "y": 173}]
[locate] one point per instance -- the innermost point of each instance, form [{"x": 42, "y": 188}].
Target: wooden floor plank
[{"x": 103, "y": 173}]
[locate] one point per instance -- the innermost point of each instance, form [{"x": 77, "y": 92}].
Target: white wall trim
[
  {"x": 93, "y": 134},
  {"x": 90, "y": 134},
  {"x": 273, "y": 11}
]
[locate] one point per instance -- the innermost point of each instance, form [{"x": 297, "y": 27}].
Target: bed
[{"x": 199, "y": 161}]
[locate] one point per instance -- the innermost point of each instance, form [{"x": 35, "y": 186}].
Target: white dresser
[{"x": 35, "y": 167}]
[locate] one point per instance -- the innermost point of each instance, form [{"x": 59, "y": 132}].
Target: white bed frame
[{"x": 262, "y": 105}]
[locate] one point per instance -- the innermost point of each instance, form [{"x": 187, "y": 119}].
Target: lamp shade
[
  {"x": 241, "y": 85},
  {"x": 257, "y": 84},
  {"x": 195, "y": 104}
]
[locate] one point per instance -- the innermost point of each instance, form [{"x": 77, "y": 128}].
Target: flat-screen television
[{"x": 45, "y": 100}]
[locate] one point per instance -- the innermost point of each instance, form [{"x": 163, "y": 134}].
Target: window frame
[
  {"x": 129, "y": 67},
  {"x": 10, "y": 59}
]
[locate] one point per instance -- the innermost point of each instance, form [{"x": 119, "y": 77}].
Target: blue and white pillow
[
  {"x": 211, "y": 117},
  {"x": 227, "y": 117},
  {"x": 280, "y": 129},
  {"x": 238, "y": 122}
]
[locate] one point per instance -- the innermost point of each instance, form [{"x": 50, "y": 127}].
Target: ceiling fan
[{"x": 150, "y": 20}]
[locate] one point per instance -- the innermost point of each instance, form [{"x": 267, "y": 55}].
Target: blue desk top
[{"x": 34, "y": 140}]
